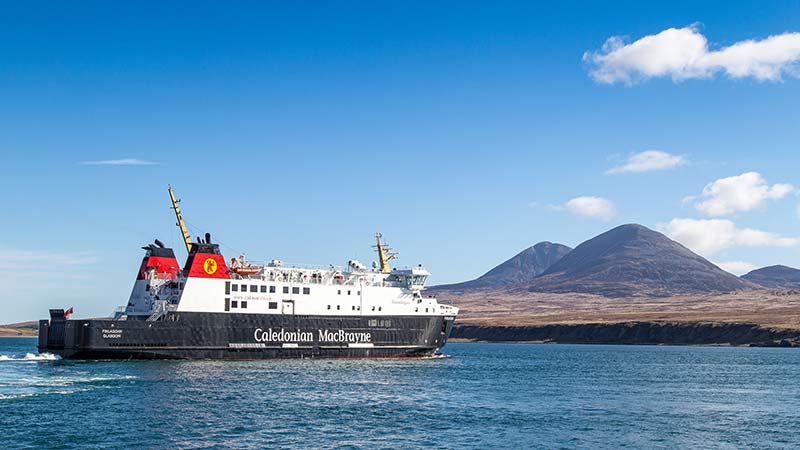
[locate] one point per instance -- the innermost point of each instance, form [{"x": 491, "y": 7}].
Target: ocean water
[{"x": 476, "y": 396}]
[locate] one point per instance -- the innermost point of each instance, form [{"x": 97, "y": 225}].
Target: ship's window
[
  {"x": 244, "y": 288},
  {"x": 253, "y": 288},
  {"x": 329, "y": 306},
  {"x": 227, "y": 288},
  {"x": 373, "y": 308},
  {"x": 338, "y": 307},
  {"x": 416, "y": 309},
  {"x": 286, "y": 289},
  {"x": 272, "y": 289},
  {"x": 244, "y": 304},
  {"x": 235, "y": 288},
  {"x": 358, "y": 308},
  {"x": 354, "y": 307},
  {"x": 228, "y": 304},
  {"x": 379, "y": 308},
  {"x": 147, "y": 287},
  {"x": 235, "y": 304},
  {"x": 358, "y": 293},
  {"x": 348, "y": 292},
  {"x": 306, "y": 291},
  {"x": 295, "y": 290},
  {"x": 273, "y": 305},
  {"x": 263, "y": 289},
  {"x": 339, "y": 292},
  {"x": 426, "y": 309}
]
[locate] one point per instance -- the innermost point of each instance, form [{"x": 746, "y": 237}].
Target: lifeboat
[
  {"x": 239, "y": 266},
  {"x": 247, "y": 270}
]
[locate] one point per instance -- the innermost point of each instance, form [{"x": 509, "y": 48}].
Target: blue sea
[{"x": 474, "y": 396}]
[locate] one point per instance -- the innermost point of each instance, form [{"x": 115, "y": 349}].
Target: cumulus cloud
[
  {"x": 743, "y": 192},
  {"x": 709, "y": 236},
  {"x": 119, "y": 162},
  {"x": 593, "y": 207},
  {"x": 648, "y": 161},
  {"x": 737, "y": 267},
  {"x": 683, "y": 53}
]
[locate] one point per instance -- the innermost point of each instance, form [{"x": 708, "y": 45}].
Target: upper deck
[{"x": 354, "y": 274}]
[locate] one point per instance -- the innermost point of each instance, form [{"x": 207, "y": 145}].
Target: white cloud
[
  {"x": 683, "y": 53},
  {"x": 594, "y": 207},
  {"x": 709, "y": 236},
  {"x": 737, "y": 267},
  {"x": 31, "y": 260},
  {"x": 120, "y": 162},
  {"x": 41, "y": 279},
  {"x": 648, "y": 161},
  {"x": 30, "y": 272},
  {"x": 743, "y": 192}
]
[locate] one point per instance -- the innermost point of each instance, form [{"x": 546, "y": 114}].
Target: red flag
[{"x": 68, "y": 312}]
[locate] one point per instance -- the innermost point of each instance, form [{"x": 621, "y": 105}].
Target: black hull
[{"x": 188, "y": 335}]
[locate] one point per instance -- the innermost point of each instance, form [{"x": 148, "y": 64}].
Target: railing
[
  {"x": 296, "y": 266},
  {"x": 160, "y": 309},
  {"x": 118, "y": 312}
]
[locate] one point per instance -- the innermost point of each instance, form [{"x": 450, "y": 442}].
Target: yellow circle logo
[{"x": 210, "y": 266}]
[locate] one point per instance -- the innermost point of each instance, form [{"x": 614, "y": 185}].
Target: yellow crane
[
  {"x": 186, "y": 238},
  {"x": 385, "y": 254}
]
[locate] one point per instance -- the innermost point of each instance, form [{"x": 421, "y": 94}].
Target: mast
[
  {"x": 186, "y": 238},
  {"x": 385, "y": 254}
]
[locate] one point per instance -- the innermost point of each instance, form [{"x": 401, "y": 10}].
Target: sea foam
[{"x": 31, "y": 357}]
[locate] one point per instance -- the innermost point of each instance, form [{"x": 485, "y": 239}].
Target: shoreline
[{"x": 633, "y": 333}]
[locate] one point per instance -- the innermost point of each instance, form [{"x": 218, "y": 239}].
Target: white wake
[{"x": 31, "y": 357}]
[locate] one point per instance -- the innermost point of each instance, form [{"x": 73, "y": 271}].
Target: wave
[
  {"x": 31, "y": 357},
  {"x": 65, "y": 381},
  {"x": 437, "y": 356},
  {"x": 38, "y": 394}
]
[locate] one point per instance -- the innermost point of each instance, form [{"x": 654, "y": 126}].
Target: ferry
[{"x": 212, "y": 309}]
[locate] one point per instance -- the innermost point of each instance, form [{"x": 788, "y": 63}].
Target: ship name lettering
[
  {"x": 282, "y": 335},
  {"x": 114, "y": 333},
  {"x": 344, "y": 336},
  {"x": 337, "y": 336}
]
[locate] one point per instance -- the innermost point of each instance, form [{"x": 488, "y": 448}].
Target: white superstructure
[{"x": 275, "y": 288}]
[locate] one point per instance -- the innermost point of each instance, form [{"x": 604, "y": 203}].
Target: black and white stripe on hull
[{"x": 194, "y": 335}]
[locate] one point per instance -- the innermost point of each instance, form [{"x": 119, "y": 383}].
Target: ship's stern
[{"x": 53, "y": 334}]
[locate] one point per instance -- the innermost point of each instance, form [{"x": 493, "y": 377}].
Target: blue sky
[{"x": 459, "y": 130}]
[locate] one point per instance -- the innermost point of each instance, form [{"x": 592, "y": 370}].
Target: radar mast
[
  {"x": 186, "y": 238},
  {"x": 385, "y": 254}
]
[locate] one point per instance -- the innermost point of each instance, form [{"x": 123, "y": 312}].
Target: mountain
[
  {"x": 521, "y": 269},
  {"x": 632, "y": 260},
  {"x": 775, "y": 277}
]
